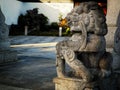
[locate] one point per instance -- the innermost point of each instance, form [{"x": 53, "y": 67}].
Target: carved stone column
[{"x": 6, "y": 54}]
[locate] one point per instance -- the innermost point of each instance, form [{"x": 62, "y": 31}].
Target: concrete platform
[{"x": 35, "y": 68}]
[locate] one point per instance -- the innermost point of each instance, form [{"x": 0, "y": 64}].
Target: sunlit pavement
[{"x": 35, "y": 68}]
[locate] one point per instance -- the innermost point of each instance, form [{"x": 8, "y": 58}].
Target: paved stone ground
[{"x": 35, "y": 68}]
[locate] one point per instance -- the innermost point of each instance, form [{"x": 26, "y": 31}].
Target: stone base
[
  {"x": 78, "y": 84},
  {"x": 7, "y": 56},
  {"x": 72, "y": 84},
  {"x": 4, "y": 45}
]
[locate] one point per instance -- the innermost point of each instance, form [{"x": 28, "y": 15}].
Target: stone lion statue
[{"x": 85, "y": 52}]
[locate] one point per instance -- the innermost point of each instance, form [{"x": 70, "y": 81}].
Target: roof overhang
[
  {"x": 104, "y": 1},
  {"x": 61, "y": 1},
  {"x": 29, "y": 0}
]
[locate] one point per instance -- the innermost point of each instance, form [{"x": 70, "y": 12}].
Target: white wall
[
  {"x": 51, "y": 10},
  {"x": 11, "y": 10}
]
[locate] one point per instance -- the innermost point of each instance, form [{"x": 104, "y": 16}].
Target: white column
[
  {"x": 60, "y": 31},
  {"x": 26, "y": 30}
]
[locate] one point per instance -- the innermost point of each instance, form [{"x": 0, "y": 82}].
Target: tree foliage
[{"x": 33, "y": 20}]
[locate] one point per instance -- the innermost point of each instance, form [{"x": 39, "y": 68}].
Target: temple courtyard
[{"x": 35, "y": 68}]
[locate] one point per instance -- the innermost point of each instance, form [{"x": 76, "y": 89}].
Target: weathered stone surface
[
  {"x": 4, "y": 45},
  {"x": 85, "y": 52},
  {"x": 79, "y": 84},
  {"x": 116, "y": 54},
  {"x": 4, "y": 42},
  {"x": 113, "y": 10},
  {"x": 69, "y": 84},
  {"x": 116, "y": 62},
  {"x": 6, "y": 54},
  {"x": 113, "y": 37},
  {"x": 110, "y": 37}
]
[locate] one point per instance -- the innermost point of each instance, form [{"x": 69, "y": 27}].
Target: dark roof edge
[{"x": 30, "y": 1}]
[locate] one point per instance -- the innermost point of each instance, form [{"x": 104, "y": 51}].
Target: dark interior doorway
[{"x": 102, "y": 3}]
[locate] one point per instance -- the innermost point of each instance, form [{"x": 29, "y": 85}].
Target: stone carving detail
[
  {"x": 4, "y": 42},
  {"x": 85, "y": 52}
]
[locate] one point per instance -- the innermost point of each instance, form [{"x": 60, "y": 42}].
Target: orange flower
[{"x": 63, "y": 23}]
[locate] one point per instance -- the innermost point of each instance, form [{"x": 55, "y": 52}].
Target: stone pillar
[
  {"x": 6, "y": 54},
  {"x": 113, "y": 9},
  {"x": 113, "y": 36}
]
